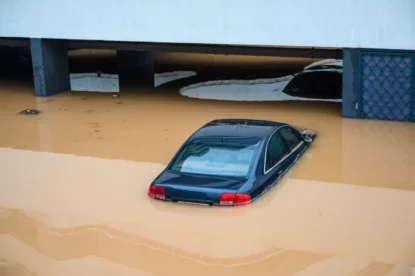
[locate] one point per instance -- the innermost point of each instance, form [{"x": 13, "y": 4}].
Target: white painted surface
[
  {"x": 161, "y": 78},
  {"x": 109, "y": 82},
  {"x": 348, "y": 23},
  {"x": 91, "y": 82}
]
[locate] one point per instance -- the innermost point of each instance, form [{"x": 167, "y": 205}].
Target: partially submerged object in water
[
  {"x": 231, "y": 162},
  {"x": 29, "y": 112}
]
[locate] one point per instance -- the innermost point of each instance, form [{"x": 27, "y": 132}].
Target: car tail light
[
  {"x": 234, "y": 199},
  {"x": 157, "y": 192},
  {"x": 241, "y": 199},
  {"x": 227, "y": 199}
]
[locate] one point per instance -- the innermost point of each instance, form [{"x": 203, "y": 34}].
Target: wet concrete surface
[{"x": 74, "y": 178}]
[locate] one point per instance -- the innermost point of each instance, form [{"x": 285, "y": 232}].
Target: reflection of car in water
[
  {"x": 231, "y": 162},
  {"x": 320, "y": 80}
]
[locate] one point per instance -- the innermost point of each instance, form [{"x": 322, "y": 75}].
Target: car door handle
[{"x": 280, "y": 172}]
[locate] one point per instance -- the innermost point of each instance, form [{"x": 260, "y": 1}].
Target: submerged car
[
  {"x": 319, "y": 80},
  {"x": 231, "y": 162}
]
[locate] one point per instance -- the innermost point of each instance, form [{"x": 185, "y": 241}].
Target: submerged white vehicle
[{"x": 320, "y": 80}]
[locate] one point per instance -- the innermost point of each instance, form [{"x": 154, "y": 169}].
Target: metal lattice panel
[{"x": 387, "y": 87}]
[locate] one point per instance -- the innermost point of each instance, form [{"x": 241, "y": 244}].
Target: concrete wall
[
  {"x": 350, "y": 83},
  {"x": 326, "y": 23},
  {"x": 50, "y": 66}
]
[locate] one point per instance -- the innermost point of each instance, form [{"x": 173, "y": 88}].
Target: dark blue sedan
[{"x": 231, "y": 162}]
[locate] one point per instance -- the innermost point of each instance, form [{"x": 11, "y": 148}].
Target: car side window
[
  {"x": 276, "y": 150},
  {"x": 291, "y": 137}
]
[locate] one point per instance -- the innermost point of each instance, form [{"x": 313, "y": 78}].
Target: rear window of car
[
  {"x": 220, "y": 159},
  {"x": 292, "y": 137}
]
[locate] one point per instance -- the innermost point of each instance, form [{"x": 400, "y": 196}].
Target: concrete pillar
[
  {"x": 135, "y": 67},
  {"x": 50, "y": 66},
  {"x": 350, "y": 82}
]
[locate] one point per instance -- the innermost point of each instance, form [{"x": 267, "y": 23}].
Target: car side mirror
[{"x": 307, "y": 138}]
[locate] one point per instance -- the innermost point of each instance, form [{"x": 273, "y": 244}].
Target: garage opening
[{"x": 219, "y": 77}]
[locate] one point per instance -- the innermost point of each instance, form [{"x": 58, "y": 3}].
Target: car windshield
[{"x": 221, "y": 159}]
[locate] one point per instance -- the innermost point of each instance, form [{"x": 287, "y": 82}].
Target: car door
[{"x": 275, "y": 151}]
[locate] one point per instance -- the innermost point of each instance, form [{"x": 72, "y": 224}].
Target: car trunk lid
[{"x": 193, "y": 188}]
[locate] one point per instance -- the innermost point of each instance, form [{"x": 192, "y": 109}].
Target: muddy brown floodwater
[{"x": 73, "y": 183}]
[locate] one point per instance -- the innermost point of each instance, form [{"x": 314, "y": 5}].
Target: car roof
[
  {"x": 325, "y": 62},
  {"x": 242, "y": 128}
]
